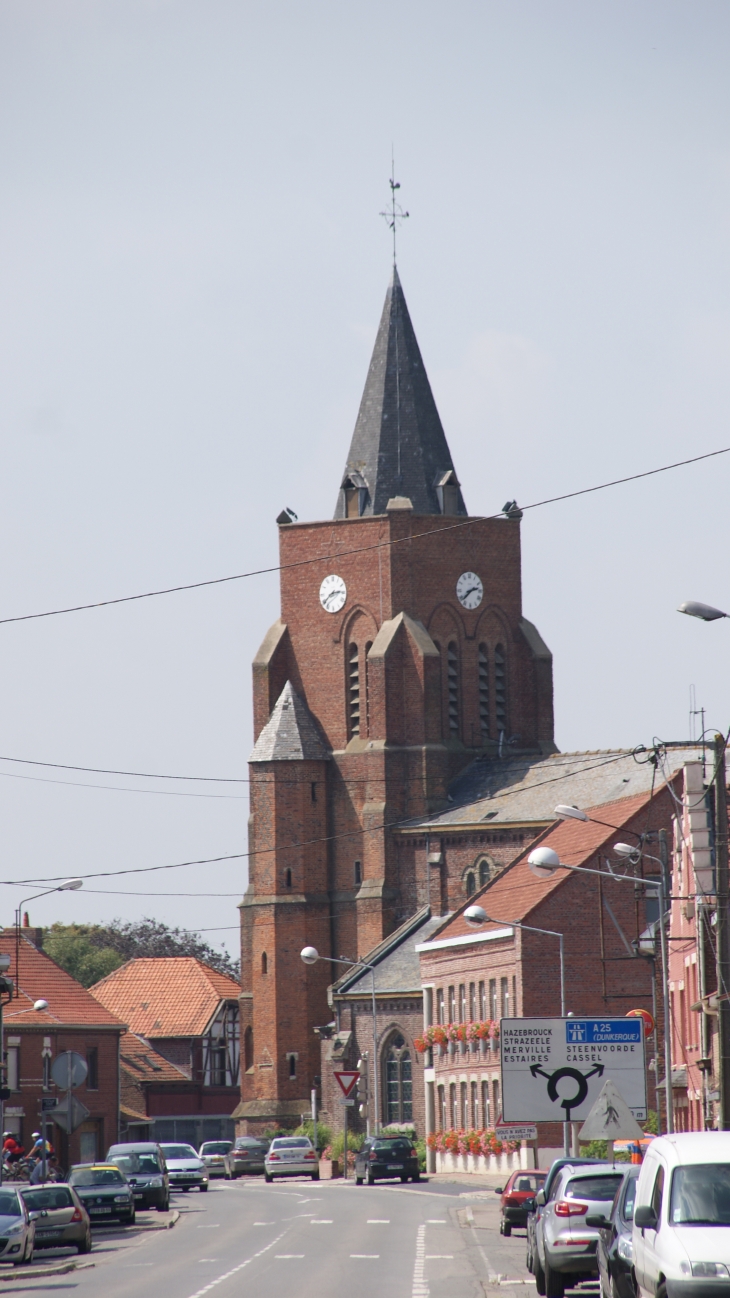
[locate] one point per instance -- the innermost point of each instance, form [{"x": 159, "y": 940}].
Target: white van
[{"x": 681, "y": 1231}]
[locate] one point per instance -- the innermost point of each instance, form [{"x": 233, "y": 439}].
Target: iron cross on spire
[{"x": 394, "y": 215}]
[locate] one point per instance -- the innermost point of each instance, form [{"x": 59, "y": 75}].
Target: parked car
[
  {"x": 17, "y": 1229},
  {"x": 104, "y": 1191},
  {"x": 291, "y": 1156},
  {"x": 247, "y": 1155},
  {"x": 541, "y": 1198},
  {"x": 681, "y": 1231},
  {"x": 519, "y": 1191},
  {"x": 62, "y": 1221},
  {"x": 143, "y": 1164},
  {"x": 615, "y": 1248},
  {"x": 186, "y": 1169},
  {"x": 565, "y": 1245},
  {"x": 385, "y": 1157},
  {"x": 213, "y": 1154}
]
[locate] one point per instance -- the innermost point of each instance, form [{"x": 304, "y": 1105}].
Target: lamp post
[
  {"x": 310, "y": 955},
  {"x": 70, "y": 885},
  {"x": 6, "y": 988},
  {"x": 543, "y": 862}
]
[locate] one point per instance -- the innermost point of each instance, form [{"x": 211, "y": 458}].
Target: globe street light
[
  {"x": 476, "y": 915},
  {"x": 310, "y": 955}
]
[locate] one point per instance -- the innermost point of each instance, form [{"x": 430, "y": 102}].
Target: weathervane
[{"x": 394, "y": 215}]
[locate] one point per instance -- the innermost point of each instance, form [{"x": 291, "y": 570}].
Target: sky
[{"x": 192, "y": 269}]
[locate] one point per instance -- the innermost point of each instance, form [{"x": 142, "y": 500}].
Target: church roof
[
  {"x": 290, "y": 734},
  {"x": 398, "y": 447},
  {"x": 396, "y": 961}
]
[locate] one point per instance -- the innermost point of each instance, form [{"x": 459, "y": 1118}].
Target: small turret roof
[{"x": 290, "y": 734}]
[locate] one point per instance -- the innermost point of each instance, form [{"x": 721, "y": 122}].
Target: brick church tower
[{"x": 401, "y": 654}]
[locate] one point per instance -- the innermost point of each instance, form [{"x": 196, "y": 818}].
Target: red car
[{"x": 520, "y": 1187}]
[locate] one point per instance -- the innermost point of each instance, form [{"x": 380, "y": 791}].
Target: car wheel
[
  {"x": 130, "y": 1220},
  {"x": 85, "y": 1245},
  {"x": 506, "y": 1228},
  {"x": 186, "y": 1189},
  {"x": 554, "y": 1282},
  {"x": 164, "y": 1207},
  {"x": 417, "y": 1177},
  {"x": 371, "y": 1179},
  {"x": 315, "y": 1176},
  {"x": 268, "y": 1178},
  {"x": 539, "y": 1277},
  {"x": 528, "y": 1256},
  {"x": 404, "y": 1179},
  {"x": 203, "y": 1189},
  {"x": 226, "y": 1175},
  {"x": 358, "y": 1180}
]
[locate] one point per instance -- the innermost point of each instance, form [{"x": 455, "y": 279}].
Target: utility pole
[{"x": 722, "y": 937}]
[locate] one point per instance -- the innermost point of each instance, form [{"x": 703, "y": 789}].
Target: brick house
[
  {"x": 74, "y": 1020},
  {"x": 188, "y": 1014},
  {"x": 145, "y": 1078},
  {"x": 499, "y": 971}
]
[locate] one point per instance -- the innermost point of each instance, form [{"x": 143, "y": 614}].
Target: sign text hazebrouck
[{"x": 554, "y": 1069}]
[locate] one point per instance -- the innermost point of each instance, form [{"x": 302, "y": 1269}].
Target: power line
[{"x": 379, "y": 545}]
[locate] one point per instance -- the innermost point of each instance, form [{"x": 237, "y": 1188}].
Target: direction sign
[
  {"x": 554, "y": 1069},
  {"x": 347, "y": 1081}
]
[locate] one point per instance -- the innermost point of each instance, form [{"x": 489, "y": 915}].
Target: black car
[
  {"x": 143, "y": 1164},
  {"x": 104, "y": 1192},
  {"x": 534, "y": 1206},
  {"x": 384, "y": 1157},
  {"x": 615, "y": 1249}
]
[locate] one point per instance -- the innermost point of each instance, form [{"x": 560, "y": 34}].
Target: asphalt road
[{"x": 302, "y": 1239}]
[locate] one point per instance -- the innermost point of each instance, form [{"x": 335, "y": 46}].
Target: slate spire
[{"x": 398, "y": 447}]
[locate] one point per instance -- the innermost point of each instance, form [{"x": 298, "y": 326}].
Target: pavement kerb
[
  {"x": 32, "y": 1273},
  {"x": 156, "y": 1225}
]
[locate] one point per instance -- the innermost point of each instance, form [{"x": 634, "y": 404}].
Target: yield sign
[{"x": 347, "y": 1082}]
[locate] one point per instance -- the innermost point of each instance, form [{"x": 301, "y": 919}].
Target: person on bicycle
[
  {"x": 12, "y": 1151},
  {"x": 37, "y": 1148}
]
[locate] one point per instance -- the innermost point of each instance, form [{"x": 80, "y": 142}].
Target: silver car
[
  {"x": 291, "y": 1156},
  {"x": 566, "y": 1245},
  {"x": 185, "y": 1168},
  {"x": 17, "y": 1229},
  {"x": 213, "y": 1154}
]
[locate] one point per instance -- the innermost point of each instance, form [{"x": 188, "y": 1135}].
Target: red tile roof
[
  {"x": 516, "y": 891},
  {"x": 168, "y": 996},
  {"x": 145, "y": 1064},
  {"x": 40, "y": 978}
]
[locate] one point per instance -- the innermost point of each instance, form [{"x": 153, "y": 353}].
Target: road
[{"x": 311, "y": 1239}]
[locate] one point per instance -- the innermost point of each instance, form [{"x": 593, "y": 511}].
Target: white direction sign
[
  {"x": 516, "y": 1131},
  {"x": 553, "y": 1070}
]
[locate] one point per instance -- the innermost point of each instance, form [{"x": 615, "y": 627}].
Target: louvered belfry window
[
  {"x": 452, "y": 669},
  {"x": 353, "y": 681},
  {"x": 484, "y": 692},
  {"x": 500, "y": 688}
]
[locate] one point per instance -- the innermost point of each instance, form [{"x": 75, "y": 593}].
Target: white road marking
[
  {"x": 366, "y": 1255},
  {"x": 321, "y": 1221},
  {"x": 435, "y": 1257},
  {"x": 420, "y": 1289},
  {"x": 378, "y": 1221},
  {"x": 436, "y": 1221},
  {"x": 215, "y": 1227},
  {"x": 264, "y": 1223},
  {"x": 283, "y": 1257},
  {"x": 234, "y": 1270}
]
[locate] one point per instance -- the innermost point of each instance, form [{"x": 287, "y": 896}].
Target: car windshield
[
  {"x": 215, "y": 1147},
  {"x": 701, "y": 1195},
  {"x": 57, "y": 1196},
  {"x": 301, "y": 1143},
  {"x": 136, "y": 1164},
  {"x": 95, "y": 1176},
  {"x": 602, "y": 1187},
  {"x": 10, "y": 1204},
  {"x": 392, "y": 1146},
  {"x": 179, "y": 1151},
  {"x": 627, "y": 1208},
  {"x": 249, "y": 1142},
  {"x": 527, "y": 1182}
]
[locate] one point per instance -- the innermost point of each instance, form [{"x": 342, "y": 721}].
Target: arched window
[
  {"x": 288, "y": 877},
  {"x": 368, "y": 647},
  {"x": 292, "y": 1067},
  {"x": 484, "y": 723},
  {"x": 358, "y": 873},
  {"x": 398, "y": 1081},
  {"x": 264, "y": 963},
  {"x": 471, "y": 886},
  {"x": 248, "y": 1049},
  {"x": 452, "y": 676},
  {"x": 353, "y": 685},
  {"x": 500, "y": 689},
  {"x": 485, "y": 871}
]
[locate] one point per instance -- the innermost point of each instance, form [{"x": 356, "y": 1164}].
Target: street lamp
[
  {"x": 310, "y": 955},
  {"x": 476, "y": 915},
  {"x": 543, "y": 862},
  {"x": 705, "y": 612},
  {"x": 70, "y": 885},
  {"x": 6, "y": 986}
]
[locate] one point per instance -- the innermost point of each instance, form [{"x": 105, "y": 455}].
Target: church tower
[{"x": 400, "y": 656}]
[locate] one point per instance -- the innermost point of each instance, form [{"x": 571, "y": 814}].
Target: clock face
[
  {"x": 333, "y": 593},
  {"x": 469, "y": 590}
]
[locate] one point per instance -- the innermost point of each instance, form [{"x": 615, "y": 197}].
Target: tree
[{"x": 91, "y": 951}]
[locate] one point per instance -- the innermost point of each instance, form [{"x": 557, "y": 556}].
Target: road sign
[
  {"x": 553, "y": 1069},
  {"x": 48, "y": 1103},
  {"x": 349, "y": 1102},
  {"x": 70, "y": 1113},
  {"x": 610, "y": 1118},
  {"x": 347, "y": 1081},
  {"x": 68, "y": 1070},
  {"x": 515, "y": 1131},
  {"x": 648, "y": 1018}
]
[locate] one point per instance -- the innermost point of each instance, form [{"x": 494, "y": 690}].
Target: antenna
[{"x": 394, "y": 215}]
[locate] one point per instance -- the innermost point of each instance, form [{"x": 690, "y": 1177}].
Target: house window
[
  {"x": 485, "y": 1105},
  {"x": 353, "y": 680},
  {"x": 452, "y": 1105},
  {"x": 292, "y": 1067},
  {"x": 495, "y": 1093},
  {"x": 500, "y": 689},
  {"x": 475, "y": 1106},
  {"x": 464, "y": 1114},
  {"x": 358, "y": 873},
  {"x": 314, "y": 790},
  {"x": 440, "y": 1006},
  {"x": 288, "y": 878},
  {"x": 12, "y": 1067},
  {"x": 218, "y": 1063},
  {"x": 485, "y": 871},
  {"x": 484, "y": 692},
  {"x": 471, "y": 884},
  {"x": 264, "y": 963},
  {"x": 441, "y": 1114},
  {"x": 504, "y": 997},
  {"x": 248, "y": 1049},
  {"x": 462, "y": 1002},
  {"x": 472, "y": 1001},
  {"x": 221, "y": 1048},
  {"x": 398, "y": 1081},
  {"x": 452, "y": 1004},
  {"x": 482, "y": 1001},
  {"x": 452, "y": 680},
  {"x": 514, "y": 996},
  {"x": 92, "y": 1065},
  {"x": 493, "y": 998}
]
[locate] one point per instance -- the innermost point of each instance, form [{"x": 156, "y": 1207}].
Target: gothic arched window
[
  {"x": 485, "y": 871},
  {"x": 452, "y": 676},
  {"x": 398, "y": 1081},
  {"x": 353, "y": 689},
  {"x": 264, "y": 963},
  {"x": 471, "y": 886},
  {"x": 500, "y": 689},
  {"x": 248, "y": 1049},
  {"x": 484, "y": 723}
]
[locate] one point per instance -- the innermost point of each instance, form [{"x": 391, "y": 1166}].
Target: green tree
[
  {"x": 91, "y": 951},
  {"x": 71, "y": 946}
]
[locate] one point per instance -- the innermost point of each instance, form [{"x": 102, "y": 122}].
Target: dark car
[
  {"x": 533, "y": 1212},
  {"x": 247, "y": 1155},
  {"x": 143, "y": 1164},
  {"x": 105, "y": 1193},
  {"x": 519, "y": 1191},
  {"x": 615, "y": 1248},
  {"x": 384, "y": 1157},
  {"x": 62, "y": 1221}
]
